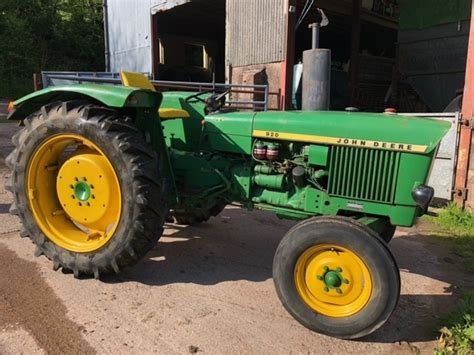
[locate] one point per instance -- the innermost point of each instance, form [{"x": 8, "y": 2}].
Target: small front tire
[{"x": 336, "y": 277}]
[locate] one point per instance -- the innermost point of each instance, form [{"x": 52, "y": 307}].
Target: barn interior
[
  {"x": 407, "y": 54},
  {"x": 410, "y": 55},
  {"x": 189, "y": 42}
]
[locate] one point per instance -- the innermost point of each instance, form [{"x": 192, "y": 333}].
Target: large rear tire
[
  {"x": 336, "y": 277},
  {"x": 87, "y": 188}
]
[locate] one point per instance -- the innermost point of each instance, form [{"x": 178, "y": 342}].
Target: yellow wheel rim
[
  {"x": 74, "y": 193},
  {"x": 333, "y": 280}
]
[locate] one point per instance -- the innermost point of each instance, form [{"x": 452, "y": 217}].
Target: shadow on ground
[
  {"x": 220, "y": 250},
  {"x": 225, "y": 250}
]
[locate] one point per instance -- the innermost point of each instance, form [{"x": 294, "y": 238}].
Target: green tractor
[{"x": 97, "y": 170}]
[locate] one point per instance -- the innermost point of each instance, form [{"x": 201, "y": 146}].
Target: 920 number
[{"x": 273, "y": 134}]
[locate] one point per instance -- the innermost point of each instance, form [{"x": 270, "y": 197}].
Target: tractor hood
[{"x": 377, "y": 131}]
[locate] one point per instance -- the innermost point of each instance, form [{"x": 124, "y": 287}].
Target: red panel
[{"x": 466, "y": 130}]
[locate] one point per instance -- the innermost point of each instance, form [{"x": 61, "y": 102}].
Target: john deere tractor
[{"x": 98, "y": 169}]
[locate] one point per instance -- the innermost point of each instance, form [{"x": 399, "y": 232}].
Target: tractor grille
[{"x": 363, "y": 174}]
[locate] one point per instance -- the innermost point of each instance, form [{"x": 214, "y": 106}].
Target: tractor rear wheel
[
  {"x": 336, "y": 277},
  {"x": 87, "y": 188}
]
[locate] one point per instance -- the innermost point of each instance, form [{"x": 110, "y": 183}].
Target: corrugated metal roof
[{"x": 255, "y": 32}]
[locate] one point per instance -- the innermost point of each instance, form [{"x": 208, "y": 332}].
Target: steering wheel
[
  {"x": 213, "y": 103},
  {"x": 197, "y": 97}
]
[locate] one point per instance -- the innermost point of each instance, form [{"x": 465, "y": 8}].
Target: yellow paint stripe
[{"x": 361, "y": 143}]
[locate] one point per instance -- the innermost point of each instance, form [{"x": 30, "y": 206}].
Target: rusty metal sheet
[{"x": 464, "y": 152}]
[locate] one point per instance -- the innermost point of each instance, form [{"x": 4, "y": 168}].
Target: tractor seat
[{"x": 139, "y": 80}]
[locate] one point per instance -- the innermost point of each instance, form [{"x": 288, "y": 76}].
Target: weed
[
  {"x": 457, "y": 337},
  {"x": 460, "y": 224}
]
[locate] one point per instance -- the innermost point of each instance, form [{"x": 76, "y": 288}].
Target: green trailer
[{"x": 97, "y": 170}]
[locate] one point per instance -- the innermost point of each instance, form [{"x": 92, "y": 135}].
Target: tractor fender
[{"x": 105, "y": 95}]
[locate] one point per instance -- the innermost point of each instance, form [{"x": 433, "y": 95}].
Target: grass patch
[
  {"x": 460, "y": 224},
  {"x": 457, "y": 334},
  {"x": 457, "y": 337}
]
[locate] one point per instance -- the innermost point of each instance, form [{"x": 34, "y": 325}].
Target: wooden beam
[
  {"x": 346, "y": 8},
  {"x": 286, "y": 79},
  {"x": 155, "y": 50},
  {"x": 355, "y": 48}
]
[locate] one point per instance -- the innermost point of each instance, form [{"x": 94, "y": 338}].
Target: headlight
[{"x": 423, "y": 195}]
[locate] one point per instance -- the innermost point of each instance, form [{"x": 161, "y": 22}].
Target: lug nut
[
  {"x": 338, "y": 290},
  {"x": 326, "y": 289},
  {"x": 338, "y": 269},
  {"x": 326, "y": 269},
  {"x": 320, "y": 278}
]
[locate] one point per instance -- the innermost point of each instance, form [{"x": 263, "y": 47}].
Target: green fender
[{"x": 106, "y": 95}]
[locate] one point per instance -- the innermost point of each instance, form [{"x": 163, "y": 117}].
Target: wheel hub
[
  {"x": 332, "y": 280},
  {"x": 82, "y": 191},
  {"x": 74, "y": 193}
]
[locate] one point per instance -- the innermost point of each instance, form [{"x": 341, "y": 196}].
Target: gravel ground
[{"x": 201, "y": 289}]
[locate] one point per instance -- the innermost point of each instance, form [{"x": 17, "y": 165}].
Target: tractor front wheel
[
  {"x": 87, "y": 188},
  {"x": 336, "y": 277}
]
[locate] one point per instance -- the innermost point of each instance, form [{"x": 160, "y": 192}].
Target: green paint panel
[
  {"x": 183, "y": 134},
  {"x": 318, "y": 155},
  {"x": 399, "y": 215},
  {"x": 413, "y": 172},
  {"x": 358, "y": 126},
  {"x": 231, "y": 132},
  {"x": 108, "y": 95}
]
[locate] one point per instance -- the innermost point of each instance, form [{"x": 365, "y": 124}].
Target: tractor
[{"x": 97, "y": 170}]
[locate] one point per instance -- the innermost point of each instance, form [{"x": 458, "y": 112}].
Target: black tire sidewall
[
  {"x": 382, "y": 266},
  {"x": 59, "y": 123}
]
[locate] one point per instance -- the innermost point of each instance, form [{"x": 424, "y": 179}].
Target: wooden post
[
  {"x": 355, "y": 48},
  {"x": 287, "y": 66},
  {"x": 464, "y": 175},
  {"x": 155, "y": 47}
]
